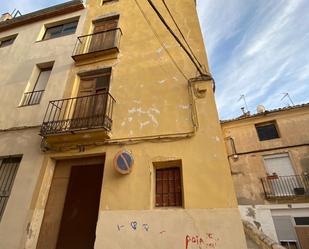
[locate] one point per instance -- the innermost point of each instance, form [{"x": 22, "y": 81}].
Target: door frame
[{"x": 43, "y": 186}]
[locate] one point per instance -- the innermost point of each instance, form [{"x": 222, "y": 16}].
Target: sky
[{"x": 259, "y": 49}]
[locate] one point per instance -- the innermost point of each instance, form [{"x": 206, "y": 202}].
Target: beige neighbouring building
[
  {"x": 130, "y": 152},
  {"x": 269, "y": 159}
]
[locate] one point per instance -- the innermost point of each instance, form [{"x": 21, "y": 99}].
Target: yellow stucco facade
[{"x": 162, "y": 118}]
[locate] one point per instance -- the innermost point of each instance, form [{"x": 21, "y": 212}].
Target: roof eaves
[
  {"x": 42, "y": 14},
  {"x": 265, "y": 113}
]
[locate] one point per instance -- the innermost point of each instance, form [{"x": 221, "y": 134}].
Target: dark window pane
[
  {"x": 267, "y": 132},
  {"x": 42, "y": 80},
  {"x": 168, "y": 187},
  {"x": 301, "y": 220},
  {"x": 7, "y": 42},
  {"x": 60, "y": 30},
  {"x": 69, "y": 28}
]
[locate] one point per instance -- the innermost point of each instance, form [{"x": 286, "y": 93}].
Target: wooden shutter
[
  {"x": 168, "y": 187},
  {"x": 8, "y": 170},
  {"x": 104, "y": 40},
  {"x": 90, "y": 108},
  {"x": 303, "y": 236}
]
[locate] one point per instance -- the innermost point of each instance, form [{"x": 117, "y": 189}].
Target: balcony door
[
  {"x": 104, "y": 34},
  {"x": 281, "y": 165},
  {"x": 91, "y": 104}
]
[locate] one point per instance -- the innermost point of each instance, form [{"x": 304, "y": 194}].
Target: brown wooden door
[
  {"x": 303, "y": 236},
  {"x": 80, "y": 212},
  {"x": 104, "y": 35},
  {"x": 90, "y": 106}
]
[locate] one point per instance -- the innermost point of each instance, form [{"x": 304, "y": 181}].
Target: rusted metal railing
[
  {"x": 96, "y": 42},
  {"x": 79, "y": 113},
  {"x": 285, "y": 186}
]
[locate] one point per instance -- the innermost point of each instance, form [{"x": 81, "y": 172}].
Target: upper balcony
[
  {"x": 97, "y": 44},
  {"x": 78, "y": 120},
  {"x": 286, "y": 187}
]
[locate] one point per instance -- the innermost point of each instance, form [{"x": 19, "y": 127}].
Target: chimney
[
  {"x": 5, "y": 16},
  {"x": 245, "y": 114},
  {"x": 243, "y": 110}
]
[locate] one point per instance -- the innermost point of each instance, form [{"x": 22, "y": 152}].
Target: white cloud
[{"x": 257, "y": 48}]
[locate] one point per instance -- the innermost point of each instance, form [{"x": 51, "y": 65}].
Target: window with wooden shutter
[
  {"x": 104, "y": 34},
  {"x": 8, "y": 170},
  {"x": 168, "y": 187}
]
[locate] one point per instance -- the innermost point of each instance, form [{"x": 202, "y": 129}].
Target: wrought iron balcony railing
[
  {"x": 285, "y": 186},
  {"x": 32, "y": 98},
  {"x": 98, "y": 43},
  {"x": 80, "y": 113}
]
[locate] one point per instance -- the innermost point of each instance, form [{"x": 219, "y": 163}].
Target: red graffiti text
[{"x": 194, "y": 240}]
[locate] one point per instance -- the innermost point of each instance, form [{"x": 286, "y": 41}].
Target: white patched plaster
[
  {"x": 159, "y": 50},
  {"x": 151, "y": 112},
  {"x": 183, "y": 106},
  {"x": 161, "y": 81},
  {"x": 141, "y": 125},
  {"x": 154, "y": 110},
  {"x": 153, "y": 119},
  {"x": 260, "y": 217}
]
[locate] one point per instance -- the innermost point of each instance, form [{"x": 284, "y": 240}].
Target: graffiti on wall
[
  {"x": 207, "y": 241},
  {"x": 133, "y": 225},
  {"x": 196, "y": 241}
]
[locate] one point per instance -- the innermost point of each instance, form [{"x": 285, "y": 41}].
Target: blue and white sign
[{"x": 123, "y": 162}]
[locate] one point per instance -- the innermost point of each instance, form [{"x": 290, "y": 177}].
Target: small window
[
  {"x": 267, "y": 131},
  {"x": 108, "y": 1},
  {"x": 289, "y": 244},
  {"x": 168, "y": 187},
  {"x": 60, "y": 30},
  {"x": 8, "y": 170},
  {"x": 7, "y": 41},
  {"x": 301, "y": 221},
  {"x": 34, "y": 97}
]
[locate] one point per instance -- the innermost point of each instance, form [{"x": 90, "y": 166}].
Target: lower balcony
[
  {"x": 97, "y": 44},
  {"x": 78, "y": 120},
  {"x": 286, "y": 187}
]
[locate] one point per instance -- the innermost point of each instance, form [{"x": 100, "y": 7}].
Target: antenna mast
[
  {"x": 242, "y": 96},
  {"x": 287, "y": 95}
]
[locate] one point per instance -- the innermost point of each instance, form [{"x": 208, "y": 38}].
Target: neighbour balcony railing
[
  {"x": 285, "y": 186},
  {"x": 97, "y": 43},
  {"x": 32, "y": 98},
  {"x": 79, "y": 113}
]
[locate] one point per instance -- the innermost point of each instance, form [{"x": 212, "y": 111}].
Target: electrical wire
[
  {"x": 182, "y": 35},
  {"x": 158, "y": 38},
  {"x": 177, "y": 39}
]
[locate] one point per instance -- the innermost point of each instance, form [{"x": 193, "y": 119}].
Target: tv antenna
[
  {"x": 15, "y": 12},
  {"x": 243, "y": 97},
  {"x": 287, "y": 95}
]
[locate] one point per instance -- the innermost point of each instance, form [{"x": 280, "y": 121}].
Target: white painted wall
[{"x": 18, "y": 63}]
